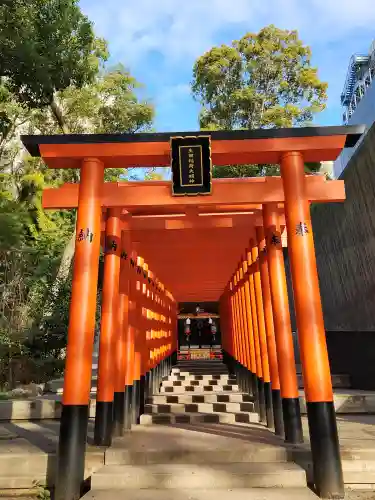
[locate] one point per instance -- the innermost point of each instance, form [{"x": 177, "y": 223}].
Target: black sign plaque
[{"x": 191, "y": 165}]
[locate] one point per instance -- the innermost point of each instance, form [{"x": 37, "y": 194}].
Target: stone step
[
  {"x": 358, "y": 474},
  {"x": 338, "y": 381},
  {"x": 205, "y": 494},
  {"x": 222, "y": 397},
  {"x": 184, "y": 365},
  {"x": 208, "y": 476},
  {"x": 60, "y": 391},
  {"x": 199, "y": 388},
  {"x": 200, "y": 383},
  {"x": 199, "y": 408},
  {"x": 193, "y": 368},
  {"x": 348, "y": 401},
  {"x": 200, "y": 444},
  {"x": 56, "y": 386},
  {"x": 207, "y": 363},
  {"x": 187, "y": 376},
  {"x": 199, "y": 362},
  {"x": 49, "y": 407},
  {"x": 21, "y": 470},
  {"x": 208, "y": 371},
  {"x": 192, "y": 418}
]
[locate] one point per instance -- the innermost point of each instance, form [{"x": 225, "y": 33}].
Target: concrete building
[{"x": 358, "y": 100}]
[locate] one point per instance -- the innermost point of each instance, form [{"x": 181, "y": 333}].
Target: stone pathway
[{"x": 27, "y": 449}]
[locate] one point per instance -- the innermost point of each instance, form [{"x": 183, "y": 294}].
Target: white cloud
[{"x": 181, "y": 30}]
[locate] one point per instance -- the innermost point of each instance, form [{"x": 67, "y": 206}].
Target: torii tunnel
[{"x": 161, "y": 250}]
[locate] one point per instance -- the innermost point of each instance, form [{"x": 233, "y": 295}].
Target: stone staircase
[
  {"x": 191, "y": 395},
  {"x": 201, "y": 450}
]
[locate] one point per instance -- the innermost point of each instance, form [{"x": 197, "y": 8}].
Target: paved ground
[
  {"x": 360, "y": 495},
  {"x": 17, "y": 439},
  {"x": 355, "y": 431}
]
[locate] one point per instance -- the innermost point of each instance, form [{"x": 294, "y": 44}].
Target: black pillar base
[
  {"x": 240, "y": 379},
  {"x": 148, "y": 384},
  {"x": 103, "y": 423},
  {"x": 255, "y": 392},
  {"x": 154, "y": 380},
  {"x": 277, "y": 412},
  {"x": 262, "y": 401},
  {"x": 142, "y": 394},
  {"x": 70, "y": 472},
  {"x": 292, "y": 420},
  {"x": 118, "y": 414},
  {"x": 238, "y": 373},
  {"x": 268, "y": 402},
  {"x": 135, "y": 402},
  {"x": 230, "y": 364},
  {"x": 127, "y": 407},
  {"x": 250, "y": 383},
  {"x": 325, "y": 450}
]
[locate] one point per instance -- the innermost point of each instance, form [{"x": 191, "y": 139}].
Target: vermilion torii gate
[{"x": 226, "y": 246}]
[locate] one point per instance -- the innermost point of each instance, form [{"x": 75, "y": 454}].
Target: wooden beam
[
  {"x": 228, "y": 147},
  {"x": 130, "y": 195}
]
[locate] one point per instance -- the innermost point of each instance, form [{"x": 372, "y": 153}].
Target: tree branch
[{"x": 57, "y": 113}]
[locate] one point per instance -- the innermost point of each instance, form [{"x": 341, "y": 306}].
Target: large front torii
[{"x": 259, "y": 348}]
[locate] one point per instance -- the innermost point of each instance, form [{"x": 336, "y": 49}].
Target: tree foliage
[
  {"x": 51, "y": 81},
  {"x": 47, "y": 46},
  {"x": 263, "y": 80}
]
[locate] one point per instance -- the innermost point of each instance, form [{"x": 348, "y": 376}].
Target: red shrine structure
[{"x": 195, "y": 240}]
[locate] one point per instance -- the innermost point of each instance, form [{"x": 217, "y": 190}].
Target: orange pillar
[
  {"x": 238, "y": 324},
  {"x": 325, "y": 448},
  {"x": 121, "y": 401},
  {"x": 77, "y": 380},
  {"x": 270, "y": 332},
  {"x": 225, "y": 327},
  {"x": 241, "y": 350},
  {"x": 247, "y": 385},
  {"x": 138, "y": 338},
  {"x": 129, "y": 332},
  {"x": 283, "y": 328},
  {"x": 109, "y": 331},
  {"x": 230, "y": 331},
  {"x": 232, "y": 319},
  {"x": 131, "y": 376},
  {"x": 261, "y": 407},
  {"x": 235, "y": 320},
  {"x": 250, "y": 329},
  {"x": 262, "y": 334}
]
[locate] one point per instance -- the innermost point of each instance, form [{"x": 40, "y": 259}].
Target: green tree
[
  {"x": 47, "y": 46},
  {"x": 263, "y": 80},
  {"x": 107, "y": 105},
  {"x": 50, "y": 82}
]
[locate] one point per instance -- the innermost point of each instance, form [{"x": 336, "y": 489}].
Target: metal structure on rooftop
[{"x": 359, "y": 78}]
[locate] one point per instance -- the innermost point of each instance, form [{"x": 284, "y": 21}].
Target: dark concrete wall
[
  {"x": 353, "y": 353},
  {"x": 344, "y": 235}
]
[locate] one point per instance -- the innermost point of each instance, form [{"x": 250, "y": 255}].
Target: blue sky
[{"x": 159, "y": 40}]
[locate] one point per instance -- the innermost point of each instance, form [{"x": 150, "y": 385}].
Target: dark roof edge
[{"x": 353, "y": 133}]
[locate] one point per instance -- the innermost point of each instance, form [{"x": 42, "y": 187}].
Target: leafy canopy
[
  {"x": 46, "y": 46},
  {"x": 263, "y": 80},
  {"x": 107, "y": 105}
]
